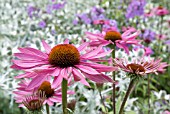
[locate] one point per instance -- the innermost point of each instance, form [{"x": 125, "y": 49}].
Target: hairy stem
[
  {"x": 64, "y": 96},
  {"x": 47, "y": 109},
  {"x": 149, "y": 94},
  {"x": 130, "y": 88},
  {"x": 103, "y": 101},
  {"x": 114, "y": 88}
]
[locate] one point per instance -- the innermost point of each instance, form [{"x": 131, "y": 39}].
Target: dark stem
[
  {"x": 149, "y": 94},
  {"x": 47, "y": 108},
  {"x": 114, "y": 88},
  {"x": 160, "y": 31},
  {"x": 64, "y": 95},
  {"x": 130, "y": 88},
  {"x": 103, "y": 101}
]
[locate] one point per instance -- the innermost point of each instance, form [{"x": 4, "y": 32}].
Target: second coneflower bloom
[
  {"x": 62, "y": 61},
  {"x": 48, "y": 94},
  {"x": 112, "y": 36},
  {"x": 138, "y": 67}
]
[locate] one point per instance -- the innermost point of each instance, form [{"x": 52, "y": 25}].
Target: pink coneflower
[
  {"x": 34, "y": 102},
  {"x": 113, "y": 36},
  {"x": 52, "y": 95},
  {"x": 161, "y": 11},
  {"x": 138, "y": 66},
  {"x": 62, "y": 61}
]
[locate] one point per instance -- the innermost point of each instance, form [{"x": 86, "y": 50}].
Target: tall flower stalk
[
  {"x": 64, "y": 96},
  {"x": 47, "y": 109},
  {"x": 149, "y": 94},
  {"x": 114, "y": 88},
  {"x": 130, "y": 89}
]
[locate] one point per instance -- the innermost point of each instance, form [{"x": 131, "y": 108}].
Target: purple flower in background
[
  {"x": 53, "y": 32},
  {"x": 75, "y": 22},
  {"x": 135, "y": 8},
  {"x": 49, "y": 9},
  {"x": 167, "y": 42},
  {"x": 148, "y": 35},
  {"x": 32, "y": 11},
  {"x": 42, "y": 24},
  {"x": 58, "y": 6},
  {"x": 84, "y": 17}
]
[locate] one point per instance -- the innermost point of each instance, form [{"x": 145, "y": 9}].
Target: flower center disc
[
  {"x": 136, "y": 67},
  {"x": 46, "y": 87},
  {"x": 64, "y": 55},
  {"x": 113, "y": 36}
]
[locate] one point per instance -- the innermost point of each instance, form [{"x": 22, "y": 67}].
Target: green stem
[
  {"x": 47, "y": 109},
  {"x": 149, "y": 94},
  {"x": 114, "y": 88},
  {"x": 103, "y": 101},
  {"x": 130, "y": 88},
  {"x": 64, "y": 96}
]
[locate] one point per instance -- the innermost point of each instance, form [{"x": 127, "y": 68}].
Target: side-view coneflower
[
  {"x": 136, "y": 70},
  {"x": 138, "y": 67},
  {"x": 34, "y": 102},
  {"x": 112, "y": 36}
]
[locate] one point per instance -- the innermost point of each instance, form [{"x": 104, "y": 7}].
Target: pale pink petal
[
  {"x": 25, "y": 56},
  {"x": 36, "y": 52},
  {"x": 57, "y": 81},
  {"x": 28, "y": 64},
  {"x": 81, "y": 47},
  {"x": 79, "y": 76},
  {"x": 36, "y": 81},
  {"x": 87, "y": 69},
  {"x": 46, "y": 47},
  {"x": 66, "y": 41},
  {"x": 56, "y": 72}
]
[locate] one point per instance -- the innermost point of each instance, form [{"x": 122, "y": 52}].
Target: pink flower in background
[
  {"x": 166, "y": 112},
  {"x": 149, "y": 14},
  {"x": 161, "y": 36},
  {"x": 101, "y": 22},
  {"x": 138, "y": 66},
  {"x": 124, "y": 28},
  {"x": 161, "y": 11},
  {"x": 62, "y": 61},
  {"x": 148, "y": 51},
  {"x": 113, "y": 36},
  {"x": 52, "y": 95}
]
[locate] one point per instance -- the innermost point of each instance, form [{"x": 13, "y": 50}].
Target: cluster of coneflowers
[{"x": 48, "y": 74}]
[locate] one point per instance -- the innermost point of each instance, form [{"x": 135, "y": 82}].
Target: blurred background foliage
[{"x": 27, "y": 22}]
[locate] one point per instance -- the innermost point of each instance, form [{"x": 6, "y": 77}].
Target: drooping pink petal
[
  {"x": 92, "y": 53},
  {"x": 57, "y": 81},
  {"x": 81, "y": 47},
  {"x": 37, "y": 81},
  {"x": 101, "y": 78},
  {"x": 87, "y": 69}
]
